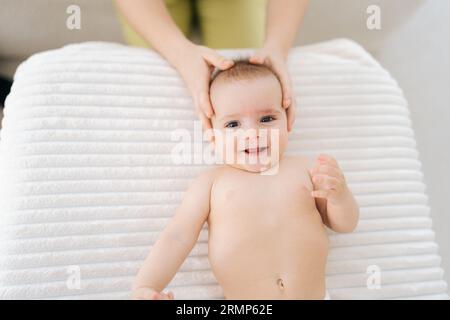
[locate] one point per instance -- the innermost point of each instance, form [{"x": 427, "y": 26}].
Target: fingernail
[
  {"x": 256, "y": 59},
  {"x": 227, "y": 63}
]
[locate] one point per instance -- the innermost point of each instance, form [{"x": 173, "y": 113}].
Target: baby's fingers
[
  {"x": 321, "y": 193},
  {"x": 324, "y": 158},
  {"x": 168, "y": 296},
  {"x": 325, "y": 181},
  {"x": 325, "y": 169},
  {"x": 145, "y": 294}
]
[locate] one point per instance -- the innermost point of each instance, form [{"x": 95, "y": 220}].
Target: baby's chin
[
  {"x": 258, "y": 167},
  {"x": 252, "y": 162},
  {"x": 253, "y": 168}
]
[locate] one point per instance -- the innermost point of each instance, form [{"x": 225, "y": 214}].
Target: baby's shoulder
[
  {"x": 298, "y": 162},
  {"x": 210, "y": 174},
  {"x": 200, "y": 187}
]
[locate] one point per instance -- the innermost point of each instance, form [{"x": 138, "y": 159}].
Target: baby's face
[{"x": 251, "y": 122}]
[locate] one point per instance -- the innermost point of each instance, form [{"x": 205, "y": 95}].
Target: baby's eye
[
  {"x": 267, "y": 118},
  {"x": 231, "y": 124}
]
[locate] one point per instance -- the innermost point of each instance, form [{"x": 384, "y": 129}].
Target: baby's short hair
[{"x": 243, "y": 69}]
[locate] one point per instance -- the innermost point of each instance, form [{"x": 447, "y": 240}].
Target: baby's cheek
[
  {"x": 278, "y": 138},
  {"x": 226, "y": 147}
]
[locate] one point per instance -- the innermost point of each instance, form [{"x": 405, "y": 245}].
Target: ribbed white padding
[{"x": 87, "y": 177}]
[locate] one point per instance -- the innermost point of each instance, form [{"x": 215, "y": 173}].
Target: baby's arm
[
  {"x": 176, "y": 240},
  {"x": 334, "y": 200}
]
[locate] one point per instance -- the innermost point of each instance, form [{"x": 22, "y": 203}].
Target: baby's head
[{"x": 248, "y": 116}]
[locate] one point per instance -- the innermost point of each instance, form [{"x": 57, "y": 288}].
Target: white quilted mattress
[{"x": 87, "y": 182}]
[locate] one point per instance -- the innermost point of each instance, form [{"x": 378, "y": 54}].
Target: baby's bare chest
[
  {"x": 264, "y": 222},
  {"x": 247, "y": 198}
]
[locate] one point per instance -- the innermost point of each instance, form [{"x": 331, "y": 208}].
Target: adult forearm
[
  {"x": 153, "y": 23},
  {"x": 283, "y": 21}
]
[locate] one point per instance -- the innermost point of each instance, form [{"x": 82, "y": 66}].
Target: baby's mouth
[{"x": 255, "y": 150}]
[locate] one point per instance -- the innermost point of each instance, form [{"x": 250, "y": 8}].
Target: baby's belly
[{"x": 278, "y": 256}]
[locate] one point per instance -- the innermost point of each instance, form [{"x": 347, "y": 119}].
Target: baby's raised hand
[
  {"x": 327, "y": 179},
  {"x": 150, "y": 294}
]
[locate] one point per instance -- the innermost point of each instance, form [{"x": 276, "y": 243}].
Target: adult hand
[
  {"x": 276, "y": 59},
  {"x": 195, "y": 66}
]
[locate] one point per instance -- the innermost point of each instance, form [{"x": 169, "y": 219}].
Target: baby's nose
[
  {"x": 253, "y": 140},
  {"x": 252, "y": 134}
]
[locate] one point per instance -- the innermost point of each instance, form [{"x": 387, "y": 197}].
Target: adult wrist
[
  {"x": 277, "y": 47},
  {"x": 176, "y": 49}
]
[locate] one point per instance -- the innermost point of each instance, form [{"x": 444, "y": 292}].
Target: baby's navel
[{"x": 280, "y": 283}]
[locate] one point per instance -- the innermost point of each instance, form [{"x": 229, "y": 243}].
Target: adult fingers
[
  {"x": 215, "y": 59},
  {"x": 286, "y": 83},
  {"x": 202, "y": 100},
  {"x": 258, "y": 57},
  {"x": 290, "y": 112},
  {"x": 280, "y": 68},
  {"x": 204, "y": 108},
  {"x": 206, "y": 122}
]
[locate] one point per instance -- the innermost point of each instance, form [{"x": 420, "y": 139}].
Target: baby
[{"x": 266, "y": 219}]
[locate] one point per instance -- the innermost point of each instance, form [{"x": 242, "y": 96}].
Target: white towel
[{"x": 87, "y": 181}]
